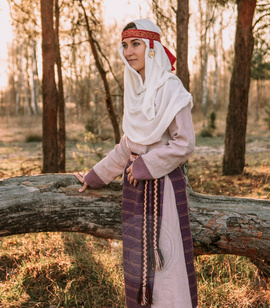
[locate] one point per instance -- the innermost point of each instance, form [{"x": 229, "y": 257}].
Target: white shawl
[{"x": 150, "y": 106}]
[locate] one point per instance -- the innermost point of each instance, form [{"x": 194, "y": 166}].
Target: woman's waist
[{"x": 139, "y": 149}]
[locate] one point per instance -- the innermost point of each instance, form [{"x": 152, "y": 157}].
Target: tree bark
[
  {"x": 235, "y": 143},
  {"x": 205, "y": 55},
  {"x": 61, "y": 102},
  {"x": 35, "y": 79},
  {"x": 182, "y": 19},
  {"x": 258, "y": 100},
  {"x": 49, "y": 91},
  {"x": 220, "y": 225},
  {"x": 215, "y": 47},
  {"x": 205, "y": 75},
  {"x": 27, "y": 106},
  {"x": 19, "y": 82}
]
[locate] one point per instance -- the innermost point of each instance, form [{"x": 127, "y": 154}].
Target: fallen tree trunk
[{"x": 51, "y": 202}]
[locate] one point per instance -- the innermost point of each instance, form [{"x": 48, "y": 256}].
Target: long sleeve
[
  {"x": 161, "y": 161},
  {"x": 109, "y": 167}
]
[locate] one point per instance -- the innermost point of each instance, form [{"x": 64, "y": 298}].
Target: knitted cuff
[
  {"x": 140, "y": 170},
  {"x": 93, "y": 180}
]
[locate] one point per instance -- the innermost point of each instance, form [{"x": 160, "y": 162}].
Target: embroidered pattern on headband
[{"x": 150, "y": 35}]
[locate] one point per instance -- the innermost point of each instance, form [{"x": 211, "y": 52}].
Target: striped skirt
[{"x": 175, "y": 285}]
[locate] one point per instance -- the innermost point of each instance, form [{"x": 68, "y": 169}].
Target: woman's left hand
[{"x": 130, "y": 176}]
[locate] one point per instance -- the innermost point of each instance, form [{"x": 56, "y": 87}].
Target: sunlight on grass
[
  {"x": 76, "y": 270},
  {"x": 62, "y": 269},
  {"x": 229, "y": 281},
  {"x": 205, "y": 176}
]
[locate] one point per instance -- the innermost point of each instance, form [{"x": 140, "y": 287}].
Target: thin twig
[{"x": 260, "y": 18}]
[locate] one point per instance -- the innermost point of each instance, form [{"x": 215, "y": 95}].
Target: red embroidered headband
[
  {"x": 149, "y": 35},
  {"x": 152, "y": 36}
]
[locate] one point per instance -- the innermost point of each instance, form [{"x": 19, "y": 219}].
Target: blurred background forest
[
  {"x": 88, "y": 71},
  {"x": 89, "y": 77},
  {"x": 211, "y": 45}
]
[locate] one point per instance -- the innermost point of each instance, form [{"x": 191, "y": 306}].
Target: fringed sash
[{"x": 150, "y": 250}]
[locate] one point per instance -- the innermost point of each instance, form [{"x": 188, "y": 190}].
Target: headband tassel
[{"x": 171, "y": 57}]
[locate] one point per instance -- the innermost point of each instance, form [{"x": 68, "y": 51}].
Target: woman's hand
[
  {"x": 80, "y": 177},
  {"x": 131, "y": 177}
]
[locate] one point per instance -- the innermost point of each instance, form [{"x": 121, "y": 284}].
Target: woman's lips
[{"x": 131, "y": 61}]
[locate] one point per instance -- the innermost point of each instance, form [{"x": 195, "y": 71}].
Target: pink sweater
[{"x": 155, "y": 160}]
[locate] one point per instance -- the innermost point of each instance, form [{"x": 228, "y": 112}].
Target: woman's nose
[{"x": 129, "y": 51}]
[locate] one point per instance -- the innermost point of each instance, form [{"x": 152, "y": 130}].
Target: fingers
[
  {"x": 80, "y": 177},
  {"x": 130, "y": 176},
  {"x": 132, "y": 181},
  {"x": 85, "y": 185}
]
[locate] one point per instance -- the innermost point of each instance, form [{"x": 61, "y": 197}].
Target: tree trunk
[
  {"x": 49, "y": 91},
  {"x": 258, "y": 100},
  {"x": 102, "y": 73},
  {"x": 219, "y": 225},
  {"x": 35, "y": 80},
  {"x": 75, "y": 90},
  {"x": 182, "y": 19},
  {"x": 26, "y": 83},
  {"x": 61, "y": 102},
  {"x": 234, "y": 154},
  {"x": 19, "y": 82},
  {"x": 205, "y": 78},
  {"x": 37, "y": 84},
  {"x": 215, "y": 47},
  {"x": 97, "y": 127},
  {"x": 27, "y": 106},
  {"x": 206, "y": 43}
]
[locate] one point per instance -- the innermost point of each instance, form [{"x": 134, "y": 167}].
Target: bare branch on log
[{"x": 51, "y": 202}]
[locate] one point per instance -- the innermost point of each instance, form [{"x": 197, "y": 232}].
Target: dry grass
[
  {"x": 230, "y": 281},
  {"x": 205, "y": 175},
  {"x": 76, "y": 270},
  {"x": 60, "y": 270}
]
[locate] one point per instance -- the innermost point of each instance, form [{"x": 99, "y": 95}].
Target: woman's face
[{"x": 134, "y": 52}]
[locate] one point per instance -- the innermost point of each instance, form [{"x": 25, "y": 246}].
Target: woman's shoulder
[
  {"x": 171, "y": 84},
  {"x": 174, "y": 84}
]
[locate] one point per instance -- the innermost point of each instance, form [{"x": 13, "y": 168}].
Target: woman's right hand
[
  {"x": 130, "y": 176},
  {"x": 80, "y": 177}
]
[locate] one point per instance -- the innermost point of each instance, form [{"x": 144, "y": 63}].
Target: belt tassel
[{"x": 144, "y": 297}]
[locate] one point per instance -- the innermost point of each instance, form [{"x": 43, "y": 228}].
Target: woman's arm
[
  {"x": 161, "y": 161},
  {"x": 108, "y": 168}
]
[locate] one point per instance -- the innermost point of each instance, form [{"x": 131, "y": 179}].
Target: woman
[{"x": 159, "y": 137}]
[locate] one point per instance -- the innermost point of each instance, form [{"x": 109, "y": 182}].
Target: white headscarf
[{"x": 150, "y": 106}]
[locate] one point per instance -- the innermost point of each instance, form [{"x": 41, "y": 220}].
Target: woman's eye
[{"x": 136, "y": 44}]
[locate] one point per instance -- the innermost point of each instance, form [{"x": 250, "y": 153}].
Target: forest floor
[{"x": 80, "y": 271}]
